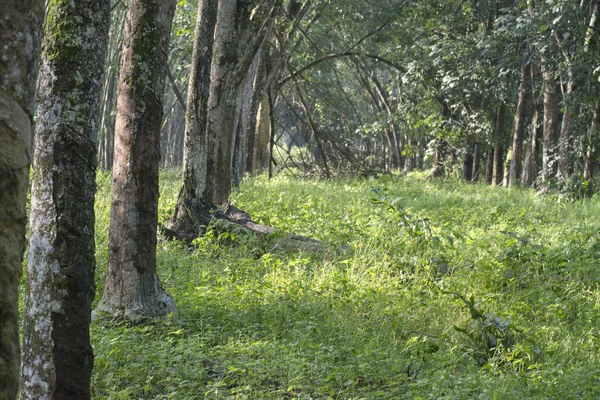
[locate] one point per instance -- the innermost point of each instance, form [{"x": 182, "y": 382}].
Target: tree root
[{"x": 196, "y": 218}]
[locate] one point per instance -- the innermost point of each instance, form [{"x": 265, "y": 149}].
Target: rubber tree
[
  {"x": 20, "y": 30},
  {"x": 195, "y": 141},
  {"x": 57, "y": 354},
  {"x": 132, "y": 289},
  {"x": 239, "y": 31}
]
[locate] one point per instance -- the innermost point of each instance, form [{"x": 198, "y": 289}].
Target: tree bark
[
  {"x": 20, "y": 29},
  {"x": 195, "y": 142},
  {"x": 260, "y": 156},
  {"x": 439, "y": 168},
  {"x": 476, "y": 167},
  {"x": 498, "y": 170},
  {"x": 106, "y": 127},
  {"x": 489, "y": 171},
  {"x": 550, "y": 124},
  {"x": 589, "y": 164},
  {"x": 237, "y": 39},
  {"x": 519, "y": 129},
  {"x": 57, "y": 354},
  {"x": 132, "y": 286}
]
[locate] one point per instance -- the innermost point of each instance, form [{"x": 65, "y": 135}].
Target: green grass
[{"x": 417, "y": 280}]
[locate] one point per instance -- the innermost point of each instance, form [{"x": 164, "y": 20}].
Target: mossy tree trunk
[
  {"x": 57, "y": 355},
  {"x": 132, "y": 286},
  {"x": 20, "y": 29}
]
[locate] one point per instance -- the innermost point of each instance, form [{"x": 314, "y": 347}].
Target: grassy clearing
[{"x": 427, "y": 290}]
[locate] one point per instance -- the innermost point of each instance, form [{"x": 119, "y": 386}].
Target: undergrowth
[{"x": 425, "y": 289}]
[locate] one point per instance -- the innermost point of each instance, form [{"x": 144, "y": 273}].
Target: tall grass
[{"x": 425, "y": 289}]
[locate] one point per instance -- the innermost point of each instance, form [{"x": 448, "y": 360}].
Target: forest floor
[{"x": 426, "y": 289}]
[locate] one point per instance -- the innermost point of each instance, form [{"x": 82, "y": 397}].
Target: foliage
[{"x": 418, "y": 280}]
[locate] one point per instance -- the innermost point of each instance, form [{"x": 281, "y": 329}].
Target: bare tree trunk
[
  {"x": 57, "y": 354},
  {"x": 410, "y": 160},
  {"x": 489, "y": 171},
  {"x": 439, "y": 167},
  {"x": 519, "y": 129},
  {"x": 476, "y": 162},
  {"x": 588, "y": 168},
  {"x": 132, "y": 287},
  {"x": 261, "y": 141},
  {"x": 498, "y": 170},
  {"x": 550, "y": 123},
  {"x": 253, "y": 142},
  {"x": 468, "y": 164},
  {"x": 185, "y": 219},
  {"x": 106, "y": 127},
  {"x": 20, "y": 29},
  {"x": 237, "y": 39}
]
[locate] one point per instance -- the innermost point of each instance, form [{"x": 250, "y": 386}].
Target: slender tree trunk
[
  {"x": 106, "y": 127},
  {"x": 550, "y": 123},
  {"x": 519, "y": 129},
  {"x": 185, "y": 218},
  {"x": 489, "y": 171},
  {"x": 468, "y": 164},
  {"x": 271, "y": 156},
  {"x": 498, "y": 170},
  {"x": 237, "y": 39},
  {"x": 57, "y": 354},
  {"x": 421, "y": 155},
  {"x": 410, "y": 160},
  {"x": 439, "y": 168},
  {"x": 530, "y": 167},
  {"x": 476, "y": 166},
  {"x": 20, "y": 30},
  {"x": 251, "y": 124},
  {"x": 132, "y": 287},
  {"x": 588, "y": 169}
]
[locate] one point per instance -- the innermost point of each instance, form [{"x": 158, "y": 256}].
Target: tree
[
  {"x": 57, "y": 355},
  {"x": 239, "y": 32},
  {"x": 132, "y": 286},
  {"x": 20, "y": 30},
  {"x": 212, "y": 105},
  {"x": 185, "y": 216},
  {"x": 519, "y": 128}
]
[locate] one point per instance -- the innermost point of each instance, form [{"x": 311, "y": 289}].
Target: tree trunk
[
  {"x": 530, "y": 166},
  {"x": 475, "y": 162},
  {"x": 468, "y": 165},
  {"x": 410, "y": 160},
  {"x": 253, "y": 139},
  {"x": 106, "y": 127},
  {"x": 489, "y": 171},
  {"x": 498, "y": 170},
  {"x": 589, "y": 164},
  {"x": 132, "y": 287},
  {"x": 439, "y": 168},
  {"x": 185, "y": 219},
  {"x": 261, "y": 142},
  {"x": 20, "y": 29},
  {"x": 239, "y": 33},
  {"x": 519, "y": 129},
  {"x": 57, "y": 354},
  {"x": 550, "y": 124}
]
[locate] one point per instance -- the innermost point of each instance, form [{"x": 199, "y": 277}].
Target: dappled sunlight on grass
[{"x": 379, "y": 314}]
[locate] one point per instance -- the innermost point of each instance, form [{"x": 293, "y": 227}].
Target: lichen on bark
[{"x": 57, "y": 355}]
